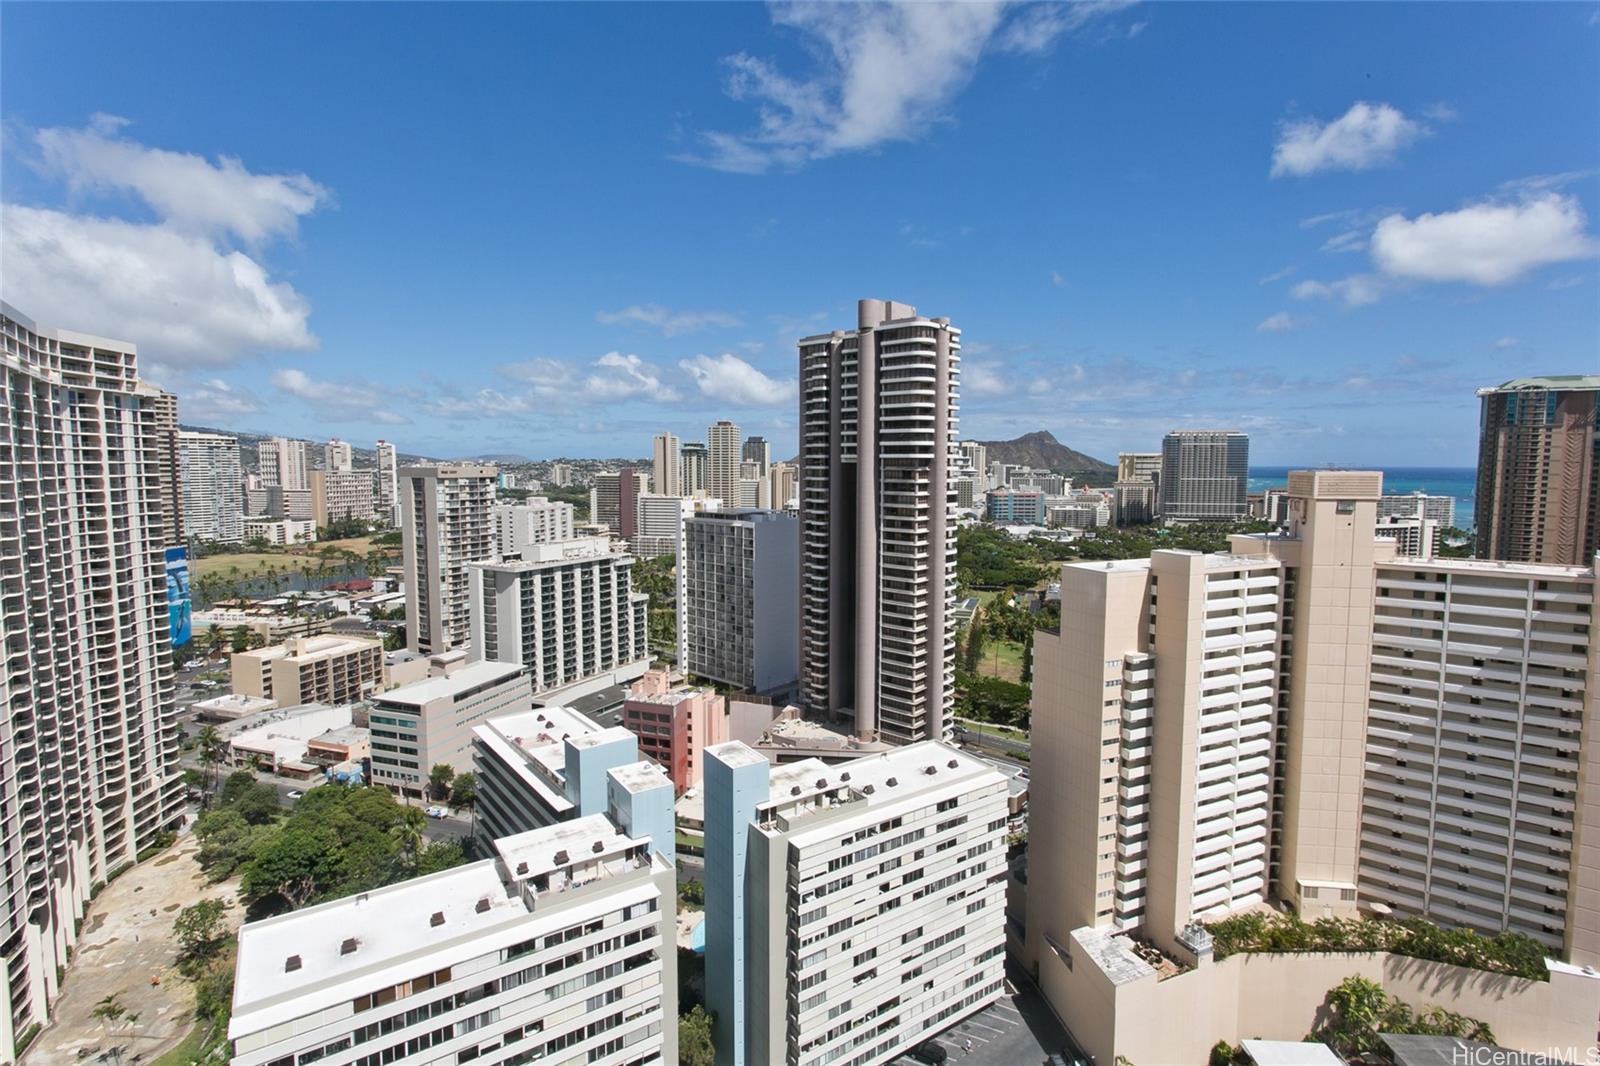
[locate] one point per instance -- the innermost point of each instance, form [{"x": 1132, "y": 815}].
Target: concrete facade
[
  {"x": 741, "y": 601},
  {"x": 1204, "y": 475},
  {"x": 312, "y": 669},
  {"x": 722, "y": 461},
  {"x": 675, "y": 726},
  {"x": 418, "y": 726},
  {"x": 1538, "y": 494},
  {"x": 536, "y": 520},
  {"x": 213, "y": 501},
  {"x": 445, "y": 524},
  {"x": 878, "y": 444}
]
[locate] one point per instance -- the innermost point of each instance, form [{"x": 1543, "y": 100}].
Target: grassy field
[
  {"x": 245, "y": 565},
  {"x": 187, "y": 1052},
  {"x": 1002, "y": 659}
]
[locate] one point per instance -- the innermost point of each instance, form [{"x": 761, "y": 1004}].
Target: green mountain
[{"x": 1042, "y": 451}]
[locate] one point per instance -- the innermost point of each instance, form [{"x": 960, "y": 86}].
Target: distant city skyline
[{"x": 1300, "y": 252}]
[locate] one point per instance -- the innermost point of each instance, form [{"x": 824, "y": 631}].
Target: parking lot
[{"x": 1016, "y": 1030}]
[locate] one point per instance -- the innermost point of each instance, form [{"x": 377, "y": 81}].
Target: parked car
[
  {"x": 295, "y": 793},
  {"x": 930, "y": 1051},
  {"x": 436, "y": 812}
]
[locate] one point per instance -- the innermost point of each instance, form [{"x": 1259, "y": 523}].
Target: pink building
[{"x": 675, "y": 727}]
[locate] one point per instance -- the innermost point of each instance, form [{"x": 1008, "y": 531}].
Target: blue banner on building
[{"x": 179, "y": 611}]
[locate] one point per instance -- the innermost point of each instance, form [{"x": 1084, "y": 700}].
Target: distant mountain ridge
[{"x": 1042, "y": 451}]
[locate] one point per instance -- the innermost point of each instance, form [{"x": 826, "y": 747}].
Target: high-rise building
[
  {"x": 781, "y": 482},
  {"x": 667, "y": 458},
  {"x": 89, "y": 771},
  {"x": 977, "y": 457},
  {"x": 337, "y": 455},
  {"x": 878, "y": 414},
  {"x": 1136, "y": 502},
  {"x": 560, "y": 475},
  {"x": 283, "y": 463},
  {"x": 168, "y": 467},
  {"x": 851, "y": 909},
  {"x": 565, "y": 612},
  {"x": 693, "y": 461},
  {"x": 757, "y": 450},
  {"x": 1205, "y": 475},
  {"x": 317, "y": 669},
  {"x": 1538, "y": 497},
  {"x": 1019, "y": 507},
  {"x": 213, "y": 487},
  {"x": 660, "y": 530},
  {"x": 558, "y": 948},
  {"x": 675, "y": 725},
  {"x": 1437, "y": 509},
  {"x": 1138, "y": 466},
  {"x": 337, "y": 495},
  {"x": 418, "y": 726},
  {"x": 447, "y": 522},
  {"x": 755, "y": 490},
  {"x": 741, "y": 602},
  {"x": 1312, "y": 718},
  {"x": 722, "y": 462},
  {"x": 536, "y": 520},
  {"x": 387, "y": 490}
]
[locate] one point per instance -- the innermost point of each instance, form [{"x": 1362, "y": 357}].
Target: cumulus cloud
[
  {"x": 186, "y": 190},
  {"x": 978, "y": 379},
  {"x": 1366, "y": 136},
  {"x": 1487, "y": 243},
  {"x": 885, "y": 72},
  {"x": 176, "y": 295},
  {"x": 613, "y": 376},
  {"x": 1357, "y": 290},
  {"x": 730, "y": 379},
  {"x": 669, "y": 322},
  {"x": 177, "y": 286},
  {"x": 336, "y": 401},
  {"x": 1276, "y": 275},
  {"x": 1281, "y": 322}
]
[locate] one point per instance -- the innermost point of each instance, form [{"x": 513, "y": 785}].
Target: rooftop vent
[
  {"x": 870, "y": 789},
  {"x": 349, "y": 946},
  {"x": 291, "y": 964},
  {"x": 437, "y": 919},
  {"x": 522, "y": 868},
  {"x": 483, "y": 905},
  {"x": 893, "y": 781},
  {"x": 952, "y": 764},
  {"x": 794, "y": 790},
  {"x": 822, "y": 782},
  {"x": 930, "y": 770},
  {"x": 562, "y": 858},
  {"x": 599, "y": 846},
  {"x": 845, "y": 776}
]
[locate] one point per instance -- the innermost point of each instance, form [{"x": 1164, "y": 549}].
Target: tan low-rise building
[{"x": 321, "y": 669}]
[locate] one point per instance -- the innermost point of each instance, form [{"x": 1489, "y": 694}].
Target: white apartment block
[
  {"x": 661, "y": 520},
  {"x": 1317, "y": 719},
  {"x": 558, "y": 949},
  {"x": 89, "y": 736},
  {"x": 853, "y": 910},
  {"x": 741, "y": 602},
  {"x": 536, "y": 520},
  {"x": 566, "y": 613},
  {"x": 387, "y": 489},
  {"x": 313, "y": 669},
  {"x": 284, "y": 463},
  {"x": 446, "y": 523},
  {"x": 418, "y": 726},
  {"x": 280, "y": 531},
  {"x": 1440, "y": 509},
  {"x": 213, "y": 493},
  {"x": 337, "y": 455},
  {"x": 1138, "y": 466},
  {"x": 337, "y": 495},
  {"x": 878, "y": 435}
]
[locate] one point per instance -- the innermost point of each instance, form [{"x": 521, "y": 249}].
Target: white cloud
[
  {"x": 671, "y": 323},
  {"x": 1352, "y": 240},
  {"x": 1488, "y": 243},
  {"x": 175, "y": 287},
  {"x": 980, "y": 380},
  {"x": 213, "y": 402},
  {"x": 1356, "y": 290},
  {"x": 336, "y": 401},
  {"x": 1507, "y": 342},
  {"x": 1366, "y": 136},
  {"x": 732, "y": 380},
  {"x": 613, "y": 376},
  {"x": 886, "y": 72},
  {"x": 186, "y": 190},
  {"x": 1276, "y": 275},
  {"x": 1281, "y": 322},
  {"x": 1056, "y": 279},
  {"x": 176, "y": 295}
]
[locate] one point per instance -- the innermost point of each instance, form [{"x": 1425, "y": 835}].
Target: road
[{"x": 978, "y": 737}]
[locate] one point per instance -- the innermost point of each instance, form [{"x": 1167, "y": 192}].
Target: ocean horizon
[{"x": 1458, "y": 481}]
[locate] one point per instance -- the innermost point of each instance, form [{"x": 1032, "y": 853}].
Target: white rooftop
[
  {"x": 641, "y": 776},
  {"x": 735, "y": 754},
  {"x": 426, "y": 691},
  {"x": 1291, "y": 1053},
  {"x": 554, "y": 847}
]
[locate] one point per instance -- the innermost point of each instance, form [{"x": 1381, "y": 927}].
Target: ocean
[{"x": 1457, "y": 481}]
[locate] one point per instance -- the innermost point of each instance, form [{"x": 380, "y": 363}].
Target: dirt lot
[{"x": 126, "y": 942}]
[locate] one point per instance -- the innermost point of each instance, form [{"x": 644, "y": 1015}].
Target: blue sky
[{"x": 558, "y": 229}]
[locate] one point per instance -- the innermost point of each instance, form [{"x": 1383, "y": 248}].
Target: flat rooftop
[
  {"x": 315, "y": 647},
  {"x": 553, "y": 847},
  {"x": 1549, "y": 381},
  {"x": 641, "y": 776},
  {"x": 452, "y": 684},
  {"x": 281, "y": 959},
  {"x": 1291, "y": 1053}
]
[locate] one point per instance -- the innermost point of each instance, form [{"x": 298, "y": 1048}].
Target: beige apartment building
[
  {"x": 1312, "y": 718},
  {"x": 320, "y": 669},
  {"x": 446, "y": 523},
  {"x": 340, "y": 494}
]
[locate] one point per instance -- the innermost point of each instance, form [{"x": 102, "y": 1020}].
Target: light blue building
[
  {"x": 639, "y": 800},
  {"x": 736, "y": 780}
]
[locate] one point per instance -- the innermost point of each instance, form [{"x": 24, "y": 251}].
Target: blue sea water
[{"x": 1457, "y": 481}]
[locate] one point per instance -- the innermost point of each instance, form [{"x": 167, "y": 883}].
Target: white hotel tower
[
  {"x": 878, "y": 413},
  {"x": 88, "y": 734}
]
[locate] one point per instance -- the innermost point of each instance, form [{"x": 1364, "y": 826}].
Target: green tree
[
  {"x": 201, "y": 930},
  {"x": 227, "y": 841},
  {"x": 973, "y": 653},
  {"x": 1027, "y": 659},
  {"x": 254, "y": 801},
  {"x": 240, "y": 639},
  {"x": 440, "y": 856},
  {"x": 694, "y": 1039},
  {"x": 439, "y": 779},
  {"x": 464, "y": 789},
  {"x": 289, "y": 866},
  {"x": 692, "y": 892},
  {"x": 408, "y": 835}
]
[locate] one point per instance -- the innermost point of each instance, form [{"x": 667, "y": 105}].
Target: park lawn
[
  {"x": 187, "y": 1052},
  {"x": 244, "y": 565},
  {"x": 1010, "y": 732},
  {"x": 1002, "y": 659}
]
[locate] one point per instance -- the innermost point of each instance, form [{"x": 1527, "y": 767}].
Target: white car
[
  {"x": 436, "y": 812},
  {"x": 295, "y": 793}
]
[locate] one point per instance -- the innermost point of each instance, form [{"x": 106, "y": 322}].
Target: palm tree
[
  {"x": 408, "y": 834},
  {"x": 209, "y": 741}
]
